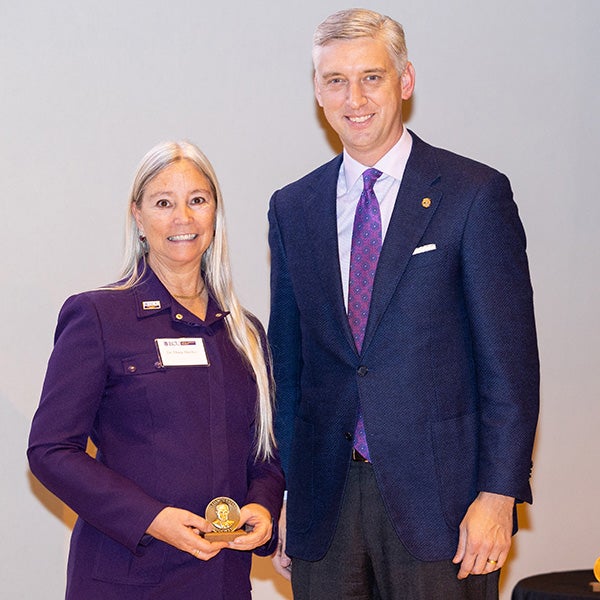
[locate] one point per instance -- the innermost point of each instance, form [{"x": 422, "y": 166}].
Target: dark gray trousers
[{"x": 367, "y": 561}]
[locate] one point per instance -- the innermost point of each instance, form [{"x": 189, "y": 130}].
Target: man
[
  {"x": 404, "y": 345},
  {"x": 223, "y": 522}
]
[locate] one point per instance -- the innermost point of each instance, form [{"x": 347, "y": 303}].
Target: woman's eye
[
  {"x": 198, "y": 200},
  {"x": 163, "y": 203}
]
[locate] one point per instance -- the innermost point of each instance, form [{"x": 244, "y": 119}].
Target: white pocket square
[{"x": 426, "y": 248}]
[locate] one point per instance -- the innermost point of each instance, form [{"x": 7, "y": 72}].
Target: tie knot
[{"x": 370, "y": 176}]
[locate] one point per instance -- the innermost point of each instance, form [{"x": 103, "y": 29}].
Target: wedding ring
[
  {"x": 196, "y": 553},
  {"x": 492, "y": 562}
]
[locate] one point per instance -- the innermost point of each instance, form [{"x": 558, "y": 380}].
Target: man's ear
[
  {"x": 317, "y": 90},
  {"x": 407, "y": 81}
]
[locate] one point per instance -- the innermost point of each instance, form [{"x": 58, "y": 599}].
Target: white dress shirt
[{"x": 350, "y": 187}]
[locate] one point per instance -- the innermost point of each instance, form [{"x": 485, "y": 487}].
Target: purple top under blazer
[{"x": 166, "y": 436}]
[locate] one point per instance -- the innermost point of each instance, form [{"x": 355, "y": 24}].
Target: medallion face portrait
[
  {"x": 177, "y": 215},
  {"x": 223, "y": 513},
  {"x": 222, "y": 521},
  {"x": 361, "y": 92}
]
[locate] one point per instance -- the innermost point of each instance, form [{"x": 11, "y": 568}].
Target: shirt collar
[
  {"x": 152, "y": 297},
  {"x": 391, "y": 164}
]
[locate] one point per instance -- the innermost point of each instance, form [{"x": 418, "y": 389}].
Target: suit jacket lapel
[
  {"x": 321, "y": 222},
  {"x": 410, "y": 218}
]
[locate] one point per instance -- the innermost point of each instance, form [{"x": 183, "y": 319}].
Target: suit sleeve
[
  {"x": 284, "y": 337},
  {"x": 71, "y": 396},
  {"x": 499, "y": 301}
]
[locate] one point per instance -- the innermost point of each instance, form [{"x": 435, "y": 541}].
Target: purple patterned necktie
[{"x": 364, "y": 254}]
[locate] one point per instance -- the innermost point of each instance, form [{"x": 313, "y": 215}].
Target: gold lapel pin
[{"x": 426, "y": 202}]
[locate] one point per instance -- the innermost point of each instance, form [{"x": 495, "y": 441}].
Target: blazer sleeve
[
  {"x": 284, "y": 337},
  {"x": 71, "y": 396},
  {"x": 499, "y": 301},
  {"x": 266, "y": 488},
  {"x": 266, "y": 481}
]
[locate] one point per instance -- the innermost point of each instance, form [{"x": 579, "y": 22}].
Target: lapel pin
[
  {"x": 426, "y": 202},
  {"x": 151, "y": 305}
]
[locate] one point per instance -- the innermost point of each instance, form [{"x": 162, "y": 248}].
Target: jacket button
[
  {"x": 362, "y": 370},
  {"x": 179, "y": 316},
  {"x": 348, "y": 436},
  {"x": 132, "y": 368}
]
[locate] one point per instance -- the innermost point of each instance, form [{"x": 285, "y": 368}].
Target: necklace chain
[{"x": 193, "y": 295}]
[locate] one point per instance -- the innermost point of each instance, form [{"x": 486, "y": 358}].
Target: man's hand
[
  {"x": 485, "y": 535},
  {"x": 281, "y": 561}
]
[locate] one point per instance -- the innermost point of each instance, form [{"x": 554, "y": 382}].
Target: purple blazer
[{"x": 166, "y": 436}]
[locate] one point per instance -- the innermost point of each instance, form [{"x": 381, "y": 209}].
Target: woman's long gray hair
[{"x": 216, "y": 273}]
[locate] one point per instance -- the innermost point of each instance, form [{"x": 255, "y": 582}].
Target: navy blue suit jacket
[{"x": 448, "y": 376}]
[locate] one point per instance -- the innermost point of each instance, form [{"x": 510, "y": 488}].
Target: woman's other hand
[{"x": 259, "y": 518}]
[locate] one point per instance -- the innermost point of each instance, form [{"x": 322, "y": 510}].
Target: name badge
[{"x": 182, "y": 352}]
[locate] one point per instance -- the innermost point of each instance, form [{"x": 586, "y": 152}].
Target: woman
[{"x": 166, "y": 373}]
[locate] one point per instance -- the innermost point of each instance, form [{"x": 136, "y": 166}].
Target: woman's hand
[
  {"x": 181, "y": 528},
  {"x": 260, "y": 519}
]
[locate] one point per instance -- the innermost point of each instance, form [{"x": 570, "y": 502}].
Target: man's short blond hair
[{"x": 357, "y": 23}]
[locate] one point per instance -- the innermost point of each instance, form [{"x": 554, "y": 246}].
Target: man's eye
[
  {"x": 336, "y": 81},
  {"x": 373, "y": 77}
]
